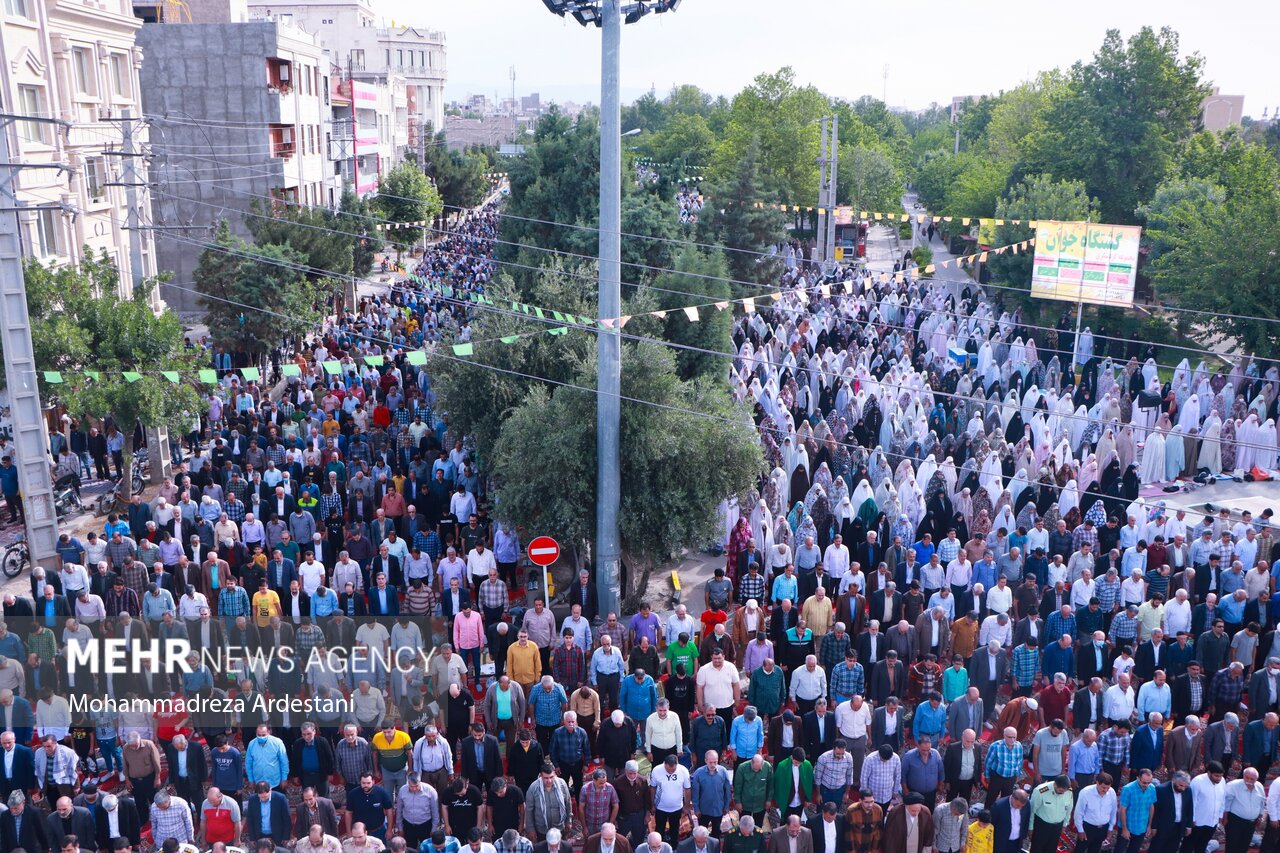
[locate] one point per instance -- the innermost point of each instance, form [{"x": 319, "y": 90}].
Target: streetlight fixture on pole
[{"x": 609, "y": 15}]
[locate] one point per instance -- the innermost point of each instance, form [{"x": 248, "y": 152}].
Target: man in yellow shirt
[
  {"x": 394, "y": 751},
  {"x": 524, "y": 662},
  {"x": 265, "y": 605}
]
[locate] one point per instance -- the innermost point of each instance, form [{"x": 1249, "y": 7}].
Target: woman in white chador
[
  {"x": 1153, "y": 461},
  {"x": 1211, "y": 445}
]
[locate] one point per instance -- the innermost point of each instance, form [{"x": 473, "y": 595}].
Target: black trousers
[
  {"x": 319, "y": 781},
  {"x": 1198, "y": 840},
  {"x": 634, "y": 827},
  {"x": 144, "y": 791},
  {"x": 667, "y": 824},
  {"x": 711, "y": 822},
  {"x": 608, "y": 686},
  {"x": 1044, "y": 838},
  {"x": 416, "y": 833},
  {"x": 1094, "y": 836},
  {"x": 997, "y": 787},
  {"x": 1239, "y": 832},
  {"x": 572, "y": 774}
]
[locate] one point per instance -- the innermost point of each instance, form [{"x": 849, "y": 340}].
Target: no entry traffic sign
[{"x": 543, "y": 551}]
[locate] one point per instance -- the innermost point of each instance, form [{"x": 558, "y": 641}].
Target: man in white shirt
[
  {"x": 479, "y": 562},
  {"x": 347, "y": 571},
  {"x": 1177, "y": 614},
  {"x": 1083, "y": 590},
  {"x": 1208, "y": 804},
  {"x": 836, "y": 559},
  {"x": 1119, "y": 700},
  {"x": 311, "y": 574},
  {"x": 1000, "y": 597},
  {"x": 718, "y": 685},
  {"x": 853, "y": 721},
  {"x": 681, "y": 622},
  {"x": 1096, "y": 809}
]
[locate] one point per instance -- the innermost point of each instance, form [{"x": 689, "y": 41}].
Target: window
[
  {"x": 95, "y": 175},
  {"x": 399, "y": 57},
  {"x": 17, "y": 8},
  {"x": 388, "y": 56},
  {"x": 411, "y": 59},
  {"x": 82, "y": 68},
  {"x": 31, "y": 102},
  {"x": 46, "y": 232},
  {"x": 357, "y": 59},
  {"x": 120, "y": 74},
  {"x": 422, "y": 58}
]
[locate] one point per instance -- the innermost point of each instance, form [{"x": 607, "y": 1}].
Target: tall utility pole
[
  {"x": 828, "y": 166},
  {"x": 609, "y": 352},
  {"x": 30, "y": 436},
  {"x": 609, "y": 16}
]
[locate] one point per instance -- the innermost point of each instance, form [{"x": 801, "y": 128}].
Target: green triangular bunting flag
[
  {"x": 290, "y": 370},
  {"x": 251, "y": 374},
  {"x": 53, "y": 377},
  {"x": 509, "y": 339},
  {"x": 209, "y": 377},
  {"x": 171, "y": 375},
  {"x": 463, "y": 349},
  {"x": 130, "y": 376},
  {"x": 416, "y": 357}
]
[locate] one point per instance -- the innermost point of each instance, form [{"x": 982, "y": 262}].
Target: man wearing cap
[
  {"x": 1048, "y": 812},
  {"x": 908, "y": 828}
]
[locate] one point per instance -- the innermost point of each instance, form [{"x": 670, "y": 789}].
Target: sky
[{"x": 932, "y": 52}]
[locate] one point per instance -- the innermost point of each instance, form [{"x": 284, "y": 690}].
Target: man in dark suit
[
  {"x": 1053, "y": 599},
  {"x": 317, "y": 779},
  {"x": 819, "y": 729},
  {"x": 880, "y": 721},
  {"x": 1002, "y": 822},
  {"x": 448, "y": 606},
  {"x": 988, "y": 669},
  {"x": 67, "y": 819},
  {"x": 18, "y": 773},
  {"x": 584, "y": 593},
  {"x": 1171, "y": 824},
  {"x": 1093, "y": 658},
  {"x": 781, "y": 839},
  {"x": 1264, "y": 689},
  {"x": 1152, "y": 655},
  {"x": 480, "y": 769},
  {"x": 278, "y": 806},
  {"x": 1086, "y": 707},
  {"x": 128, "y": 824},
  {"x": 784, "y": 617},
  {"x": 871, "y": 645},
  {"x": 832, "y": 824},
  {"x": 888, "y": 678},
  {"x": 313, "y": 809},
  {"x": 1181, "y": 694},
  {"x": 280, "y": 572},
  {"x": 1260, "y": 743},
  {"x": 773, "y": 740},
  {"x": 33, "y": 833},
  {"x": 1222, "y": 740},
  {"x": 953, "y": 764},
  {"x": 1146, "y": 750},
  {"x": 188, "y": 770},
  {"x": 1022, "y": 629},
  {"x": 878, "y": 611}
]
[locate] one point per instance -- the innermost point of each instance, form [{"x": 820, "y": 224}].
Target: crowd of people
[
  {"x": 948, "y": 618},
  {"x": 690, "y": 200}
]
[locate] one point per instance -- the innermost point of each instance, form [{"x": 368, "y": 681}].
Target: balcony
[
  {"x": 283, "y": 142},
  {"x": 279, "y": 75}
]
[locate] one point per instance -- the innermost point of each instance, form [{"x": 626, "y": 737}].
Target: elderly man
[{"x": 1184, "y": 747}]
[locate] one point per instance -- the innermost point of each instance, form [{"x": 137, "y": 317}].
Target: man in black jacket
[
  {"x": 311, "y": 761},
  {"x": 1169, "y": 830},
  {"x": 831, "y": 818},
  {"x": 125, "y": 821},
  {"x": 31, "y": 836},
  {"x": 475, "y": 772},
  {"x": 67, "y": 819},
  {"x": 188, "y": 770}
]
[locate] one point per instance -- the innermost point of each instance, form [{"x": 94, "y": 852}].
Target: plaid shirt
[
  {"x": 1113, "y": 747},
  {"x": 1084, "y": 534},
  {"x": 1226, "y": 691},
  {"x": 569, "y": 666},
  {"x": 596, "y": 804},
  {"x": 126, "y": 600},
  {"x": 328, "y": 501},
  {"x": 428, "y": 542},
  {"x": 831, "y": 650},
  {"x": 751, "y": 586},
  {"x": 1004, "y": 760},
  {"x": 864, "y": 826},
  {"x": 832, "y": 772},
  {"x": 493, "y": 594},
  {"x": 352, "y": 760},
  {"x": 1124, "y": 628},
  {"x": 1026, "y": 663},
  {"x": 1057, "y": 625},
  {"x": 234, "y": 510},
  {"x": 547, "y": 706},
  {"x": 306, "y": 639},
  {"x": 882, "y": 778},
  {"x": 948, "y": 549},
  {"x": 233, "y": 602},
  {"x": 522, "y": 845},
  {"x": 118, "y": 552},
  {"x": 173, "y": 822},
  {"x": 846, "y": 680},
  {"x": 43, "y": 645},
  {"x": 1107, "y": 592},
  {"x": 135, "y": 576}
]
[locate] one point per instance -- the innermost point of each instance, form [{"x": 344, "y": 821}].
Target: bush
[
  {"x": 905, "y": 230},
  {"x": 922, "y": 256}
]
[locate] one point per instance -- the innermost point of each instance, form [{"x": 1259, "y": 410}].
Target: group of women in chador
[{"x": 918, "y": 406}]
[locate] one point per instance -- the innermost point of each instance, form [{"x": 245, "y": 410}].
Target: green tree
[
  {"x": 1244, "y": 170},
  {"x": 1118, "y": 125},
  {"x": 356, "y": 219},
  {"x": 81, "y": 324},
  {"x": 307, "y": 230},
  {"x": 405, "y": 195},
  {"x": 686, "y": 138},
  {"x": 1022, "y": 113},
  {"x": 235, "y": 278},
  {"x": 976, "y": 187},
  {"x": 460, "y": 176},
  {"x": 734, "y": 221},
  {"x": 781, "y": 116},
  {"x": 1221, "y": 259},
  {"x": 548, "y": 441},
  {"x": 868, "y": 179},
  {"x": 1037, "y": 197},
  {"x": 699, "y": 278},
  {"x": 1176, "y": 201}
]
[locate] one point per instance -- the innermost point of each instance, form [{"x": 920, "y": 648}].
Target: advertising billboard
[{"x": 1085, "y": 262}]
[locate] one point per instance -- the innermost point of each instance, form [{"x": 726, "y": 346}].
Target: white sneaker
[{"x": 122, "y": 776}]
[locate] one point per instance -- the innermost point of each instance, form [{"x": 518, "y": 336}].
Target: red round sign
[{"x": 544, "y": 551}]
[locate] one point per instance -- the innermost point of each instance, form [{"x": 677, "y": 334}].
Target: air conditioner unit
[{"x": 284, "y": 72}]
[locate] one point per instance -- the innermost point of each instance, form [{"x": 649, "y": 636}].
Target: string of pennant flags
[
  {"x": 566, "y": 321},
  {"x": 899, "y": 216}
]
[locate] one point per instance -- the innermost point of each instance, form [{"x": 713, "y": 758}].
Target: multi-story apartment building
[
  {"x": 366, "y": 50},
  {"x": 241, "y": 113},
  {"x": 75, "y": 61}
]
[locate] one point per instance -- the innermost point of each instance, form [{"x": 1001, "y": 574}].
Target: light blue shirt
[
  {"x": 1155, "y": 697},
  {"x": 1084, "y": 759},
  {"x": 324, "y": 604},
  {"x": 746, "y": 738},
  {"x": 785, "y": 587},
  {"x": 266, "y": 762},
  {"x": 602, "y": 664}
]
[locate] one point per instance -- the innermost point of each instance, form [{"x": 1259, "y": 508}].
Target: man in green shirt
[
  {"x": 768, "y": 690},
  {"x": 1050, "y": 808},
  {"x": 751, "y": 787},
  {"x": 683, "y": 650}
]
